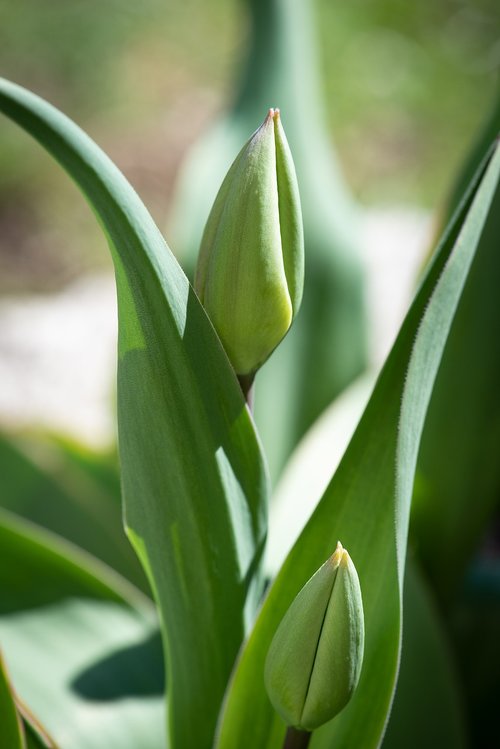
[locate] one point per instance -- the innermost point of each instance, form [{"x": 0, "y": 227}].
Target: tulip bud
[
  {"x": 250, "y": 268},
  {"x": 314, "y": 661}
]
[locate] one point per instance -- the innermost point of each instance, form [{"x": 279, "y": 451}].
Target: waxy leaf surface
[
  {"x": 193, "y": 478},
  {"x": 367, "y": 505}
]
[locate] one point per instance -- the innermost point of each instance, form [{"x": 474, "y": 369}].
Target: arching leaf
[
  {"x": 194, "y": 484},
  {"x": 366, "y": 506}
]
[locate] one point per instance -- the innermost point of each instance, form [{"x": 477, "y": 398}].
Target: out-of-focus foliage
[
  {"x": 408, "y": 86},
  {"x": 82, "y": 646},
  {"x": 11, "y": 729},
  {"x": 72, "y": 491},
  {"x": 428, "y": 708},
  {"x": 489, "y": 131},
  {"x": 146, "y": 78}
]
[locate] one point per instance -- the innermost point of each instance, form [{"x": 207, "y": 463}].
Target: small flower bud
[
  {"x": 250, "y": 268},
  {"x": 314, "y": 661}
]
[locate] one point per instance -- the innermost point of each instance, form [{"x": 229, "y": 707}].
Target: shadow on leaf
[{"x": 134, "y": 671}]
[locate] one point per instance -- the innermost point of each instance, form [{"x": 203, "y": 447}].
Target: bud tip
[
  {"x": 340, "y": 556},
  {"x": 273, "y": 114}
]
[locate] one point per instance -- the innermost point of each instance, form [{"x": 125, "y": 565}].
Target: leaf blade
[
  {"x": 172, "y": 374},
  {"x": 367, "y": 507},
  {"x": 458, "y": 464}
]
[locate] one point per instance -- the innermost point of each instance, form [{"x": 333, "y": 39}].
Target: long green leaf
[
  {"x": 194, "y": 484},
  {"x": 80, "y": 643},
  {"x": 367, "y": 506},
  {"x": 427, "y": 709},
  {"x": 11, "y": 728},
  {"x": 458, "y": 472}
]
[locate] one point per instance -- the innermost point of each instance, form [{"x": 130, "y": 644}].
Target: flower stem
[{"x": 296, "y": 739}]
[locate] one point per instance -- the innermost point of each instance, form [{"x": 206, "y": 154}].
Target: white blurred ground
[{"x": 58, "y": 353}]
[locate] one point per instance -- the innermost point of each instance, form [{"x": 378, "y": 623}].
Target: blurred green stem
[{"x": 281, "y": 61}]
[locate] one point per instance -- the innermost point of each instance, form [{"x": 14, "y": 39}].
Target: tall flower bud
[
  {"x": 250, "y": 270},
  {"x": 314, "y": 661}
]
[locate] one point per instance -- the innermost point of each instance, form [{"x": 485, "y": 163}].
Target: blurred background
[{"x": 404, "y": 88}]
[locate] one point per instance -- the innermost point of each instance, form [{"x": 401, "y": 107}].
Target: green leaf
[
  {"x": 70, "y": 491},
  {"x": 194, "y": 483},
  {"x": 11, "y": 728},
  {"x": 366, "y": 506},
  {"x": 81, "y": 644},
  {"x": 427, "y": 708},
  {"x": 458, "y": 475}
]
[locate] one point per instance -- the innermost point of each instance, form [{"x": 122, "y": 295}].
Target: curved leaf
[
  {"x": 458, "y": 465},
  {"x": 427, "y": 708},
  {"x": 366, "y": 506},
  {"x": 80, "y": 643},
  {"x": 194, "y": 485}
]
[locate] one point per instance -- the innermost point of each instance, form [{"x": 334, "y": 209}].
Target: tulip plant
[
  {"x": 307, "y": 654},
  {"x": 329, "y": 344}
]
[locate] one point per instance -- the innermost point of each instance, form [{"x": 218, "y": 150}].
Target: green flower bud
[
  {"x": 250, "y": 270},
  {"x": 314, "y": 661}
]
